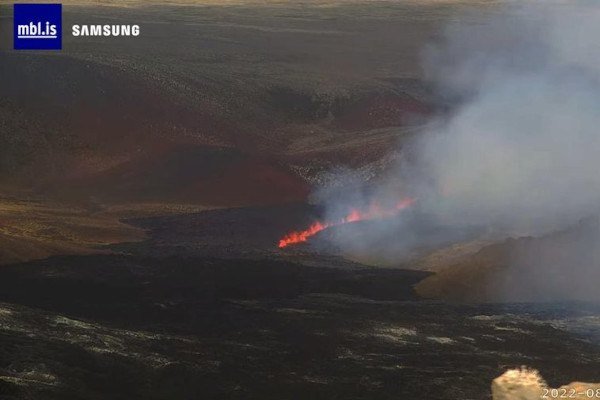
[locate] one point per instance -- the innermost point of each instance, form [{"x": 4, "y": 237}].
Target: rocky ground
[
  {"x": 145, "y": 185},
  {"x": 169, "y": 318},
  {"x": 192, "y": 328},
  {"x": 528, "y": 384}
]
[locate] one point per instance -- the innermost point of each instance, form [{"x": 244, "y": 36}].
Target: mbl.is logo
[{"x": 38, "y": 26}]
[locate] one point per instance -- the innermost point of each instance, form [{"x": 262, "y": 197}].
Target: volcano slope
[
  {"x": 193, "y": 148},
  {"x": 244, "y": 94},
  {"x": 212, "y": 106}
]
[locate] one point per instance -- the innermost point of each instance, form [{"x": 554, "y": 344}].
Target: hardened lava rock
[{"x": 528, "y": 384}]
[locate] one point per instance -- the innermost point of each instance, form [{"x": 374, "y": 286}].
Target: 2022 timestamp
[{"x": 570, "y": 394}]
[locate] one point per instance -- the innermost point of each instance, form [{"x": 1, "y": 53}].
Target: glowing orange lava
[{"x": 374, "y": 211}]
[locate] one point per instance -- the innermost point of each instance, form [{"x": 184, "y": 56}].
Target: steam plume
[{"x": 520, "y": 152}]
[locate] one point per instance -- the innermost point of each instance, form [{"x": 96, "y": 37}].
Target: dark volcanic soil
[
  {"x": 175, "y": 322},
  {"x": 123, "y": 327}
]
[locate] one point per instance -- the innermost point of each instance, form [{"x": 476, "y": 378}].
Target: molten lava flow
[
  {"x": 374, "y": 211},
  {"x": 302, "y": 236}
]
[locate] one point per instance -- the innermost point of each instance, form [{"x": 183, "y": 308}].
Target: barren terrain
[{"x": 145, "y": 184}]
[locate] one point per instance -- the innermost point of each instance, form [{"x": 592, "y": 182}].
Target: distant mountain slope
[{"x": 284, "y": 90}]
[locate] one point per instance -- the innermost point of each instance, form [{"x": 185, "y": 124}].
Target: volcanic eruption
[{"x": 374, "y": 211}]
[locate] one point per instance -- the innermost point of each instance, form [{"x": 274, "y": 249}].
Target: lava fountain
[{"x": 374, "y": 211}]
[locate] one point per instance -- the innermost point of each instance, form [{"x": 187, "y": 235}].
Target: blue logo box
[{"x": 38, "y": 26}]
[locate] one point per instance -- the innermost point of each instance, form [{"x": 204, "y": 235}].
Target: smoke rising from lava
[
  {"x": 374, "y": 212},
  {"x": 519, "y": 154}
]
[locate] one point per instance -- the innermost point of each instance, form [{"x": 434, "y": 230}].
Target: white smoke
[{"x": 519, "y": 153}]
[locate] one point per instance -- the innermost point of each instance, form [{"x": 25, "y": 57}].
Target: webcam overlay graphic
[{"x": 38, "y": 26}]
